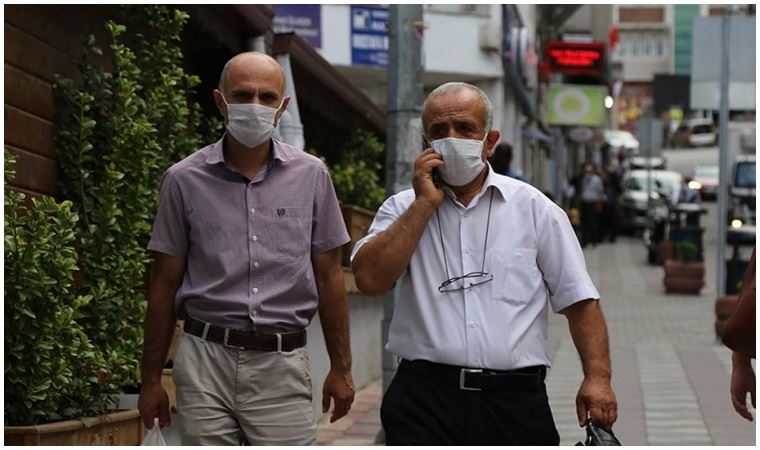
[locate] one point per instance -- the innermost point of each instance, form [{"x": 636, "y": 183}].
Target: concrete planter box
[
  {"x": 684, "y": 277},
  {"x": 119, "y": 428}
]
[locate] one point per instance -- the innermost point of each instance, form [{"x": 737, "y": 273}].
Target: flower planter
[
  {"x": 684, "y": 277},
  {"x": 358, "y": 221},
  {"x": 119, "y": 428}
]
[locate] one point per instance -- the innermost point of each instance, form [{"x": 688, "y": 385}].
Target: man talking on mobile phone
[{"x": 478, "y": 258}]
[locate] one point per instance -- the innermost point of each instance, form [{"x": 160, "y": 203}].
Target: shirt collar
[
  {"x": 280, "y": 152},
  {"x": 492, "y": 180}
]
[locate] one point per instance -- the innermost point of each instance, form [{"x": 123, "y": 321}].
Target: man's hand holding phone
[{"x": 426, "y": 186}]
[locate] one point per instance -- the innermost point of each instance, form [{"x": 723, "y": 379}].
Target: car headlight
[
  {"x": 736, "y": 223},
  {"x": 696, "y": 185}
]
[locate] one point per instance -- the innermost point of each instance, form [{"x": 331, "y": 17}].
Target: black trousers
[{"x": 419, "y": 411}]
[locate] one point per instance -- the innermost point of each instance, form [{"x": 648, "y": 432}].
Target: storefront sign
[
  {"x": 369, "y": 36},
  {"x": 571, "y": 104},
  {"x": 576, "y": 58},
  {"x": 305, "y": 20}
]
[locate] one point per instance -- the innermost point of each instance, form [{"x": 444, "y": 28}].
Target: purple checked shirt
[{"x": 248, "y": 243}]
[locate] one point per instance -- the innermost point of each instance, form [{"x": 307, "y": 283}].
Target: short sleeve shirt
[
  {"x": 248, "y": 243},
  {"x": 532, "y": 253}
]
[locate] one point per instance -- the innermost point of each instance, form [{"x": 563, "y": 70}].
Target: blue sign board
[
  {"x": 305, "y": 20},
  {"x": 369, "y": 36}
]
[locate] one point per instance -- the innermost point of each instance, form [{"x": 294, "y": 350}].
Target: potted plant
[
  {"x": 358, "y": 184},
  {"x": 73, "y": 343},
  {"x": 684, "y": 274}
]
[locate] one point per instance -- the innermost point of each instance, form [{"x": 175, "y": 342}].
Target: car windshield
[
  {"x": 707, "y": 171},
  {"x": 639, "y": 183},
  {"x": 701, "y": 129},
  {"x": 745, "y": 174}
]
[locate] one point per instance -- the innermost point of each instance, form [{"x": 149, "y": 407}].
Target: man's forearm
[
  {"x": 382, "y": 260},
  {"x": 160, "y": 321},
  {"x": 333, "y": 315},
  {"x": 589, "y": 332}
]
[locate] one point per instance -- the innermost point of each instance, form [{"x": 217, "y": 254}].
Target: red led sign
[{"x": 576, "y": 58}]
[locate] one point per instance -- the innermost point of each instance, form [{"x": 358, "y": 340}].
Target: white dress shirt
[{"x": 535, "y": 259}]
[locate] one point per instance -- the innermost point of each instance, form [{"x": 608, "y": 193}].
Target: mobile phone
[{"x": 437, "y": 181}]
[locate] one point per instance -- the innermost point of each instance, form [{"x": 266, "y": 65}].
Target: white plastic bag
[{"x": 154, "y": 437}]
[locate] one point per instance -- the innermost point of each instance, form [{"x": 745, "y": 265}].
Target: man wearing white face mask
[
  {"x": 478, "y": 257},
  {"x": 246, "y": 246}
]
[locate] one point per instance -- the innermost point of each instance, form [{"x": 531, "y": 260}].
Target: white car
[
  {"x": 622, "y": 140},
  {"x": 634, "y": 208},
  {"x": 695, "y": 133}
]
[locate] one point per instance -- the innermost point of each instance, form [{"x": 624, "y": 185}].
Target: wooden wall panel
[
  {"x": 44, "y": 23},
  {"x": 26, "y": 52},
  {"x": 34, "y": 172},
  {"x": 29, "y": 93},
  {"x": 28, "y": 132}
]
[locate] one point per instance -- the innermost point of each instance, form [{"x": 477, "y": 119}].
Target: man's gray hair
[
  {"x": 228, "y": 64},
  {"x": 456, "y": 86}
]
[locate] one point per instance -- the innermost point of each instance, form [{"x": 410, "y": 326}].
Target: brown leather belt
[{"x": 246, "y": 340}]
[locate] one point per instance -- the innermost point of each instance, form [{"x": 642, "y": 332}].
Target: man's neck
[
  {"x": 247, "y": 161},
  {"x": 466, "y": 193}
]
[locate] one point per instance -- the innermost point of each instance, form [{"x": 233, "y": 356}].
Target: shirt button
[
  {"x": 473, "y": 325},
  {"x": 255, "y": 290},
  {"x": 255, "y": 238},
  {"x": 467, "y": 250},
  {"x": 253, "y": 210},
  {"x": 255, "y": 264}
]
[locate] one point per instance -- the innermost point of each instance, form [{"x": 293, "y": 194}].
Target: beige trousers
[{"x": 225, "y": 394}]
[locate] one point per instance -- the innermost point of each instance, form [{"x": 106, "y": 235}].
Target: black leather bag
[{"x": 599, "y": 436}]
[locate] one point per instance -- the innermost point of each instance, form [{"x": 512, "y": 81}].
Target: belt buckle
[
  {"x": 462, "y": 373},
  {"x": 227, "y": 337}
]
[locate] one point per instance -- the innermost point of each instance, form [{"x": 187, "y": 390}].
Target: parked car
[
  {"x": 643, "y": 162},
  {"x": 634, "y": 208},
  {"x": 742, "y": 192},
  {"x": 694, "y": 133},
  {"x": 706, "y": 180},
  {"x": 622, "y": 141}
]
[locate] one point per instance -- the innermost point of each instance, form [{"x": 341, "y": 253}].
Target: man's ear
[
  {"x": 492, "y": 138},
  {"x": 220, "y": 106}
]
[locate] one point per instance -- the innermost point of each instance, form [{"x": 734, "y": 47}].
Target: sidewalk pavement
[
  {"x": 670, "y": 375},
  {"x": 361, "y": 425}
]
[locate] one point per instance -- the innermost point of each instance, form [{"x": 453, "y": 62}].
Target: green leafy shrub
[
  {"x": 357, "y": 176},
  {"x": 52, "y": 371},
  {"x": 116, "y": 133},
  {"x": 686, "y": 251}
]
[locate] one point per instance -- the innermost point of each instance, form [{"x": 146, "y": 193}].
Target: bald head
[
  {"x": 463, "y": 92},
  {"x": 256, "y": 61}
]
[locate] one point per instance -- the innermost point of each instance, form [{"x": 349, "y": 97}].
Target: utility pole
[
  {"x": 720, "y": 288},
  {"x": 405, "y": 97}
]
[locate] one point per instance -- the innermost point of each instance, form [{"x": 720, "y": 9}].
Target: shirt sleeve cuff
[
  {"x": 329, "y": 244},
  {"x": 165, "y": 247},
  {"x": 573, "y": 295}
]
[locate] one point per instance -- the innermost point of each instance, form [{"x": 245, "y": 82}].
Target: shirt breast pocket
[
  {"x": 290, "y": 231},
  {"x": 516, "y": 275}
]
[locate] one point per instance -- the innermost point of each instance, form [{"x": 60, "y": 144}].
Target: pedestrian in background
[
  {"x": 592, "y": 200},
  {"x": 478, "y": 258},
  {"x": 739, "y": 336},
  {"x": 246, "y": 255},
  {"x": 501, "y": 162}
]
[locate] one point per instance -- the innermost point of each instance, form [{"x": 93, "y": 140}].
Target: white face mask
[
  {"x": 249, "y": 123},
  {"x": 461, "y": 157}
]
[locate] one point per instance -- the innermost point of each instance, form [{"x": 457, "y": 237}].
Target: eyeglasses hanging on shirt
[{"x": 472, "y": 279}]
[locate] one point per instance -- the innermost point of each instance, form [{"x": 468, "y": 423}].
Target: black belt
[
  {"x": 468, "y": 379},
  {"x": 229, "y": 337}
]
